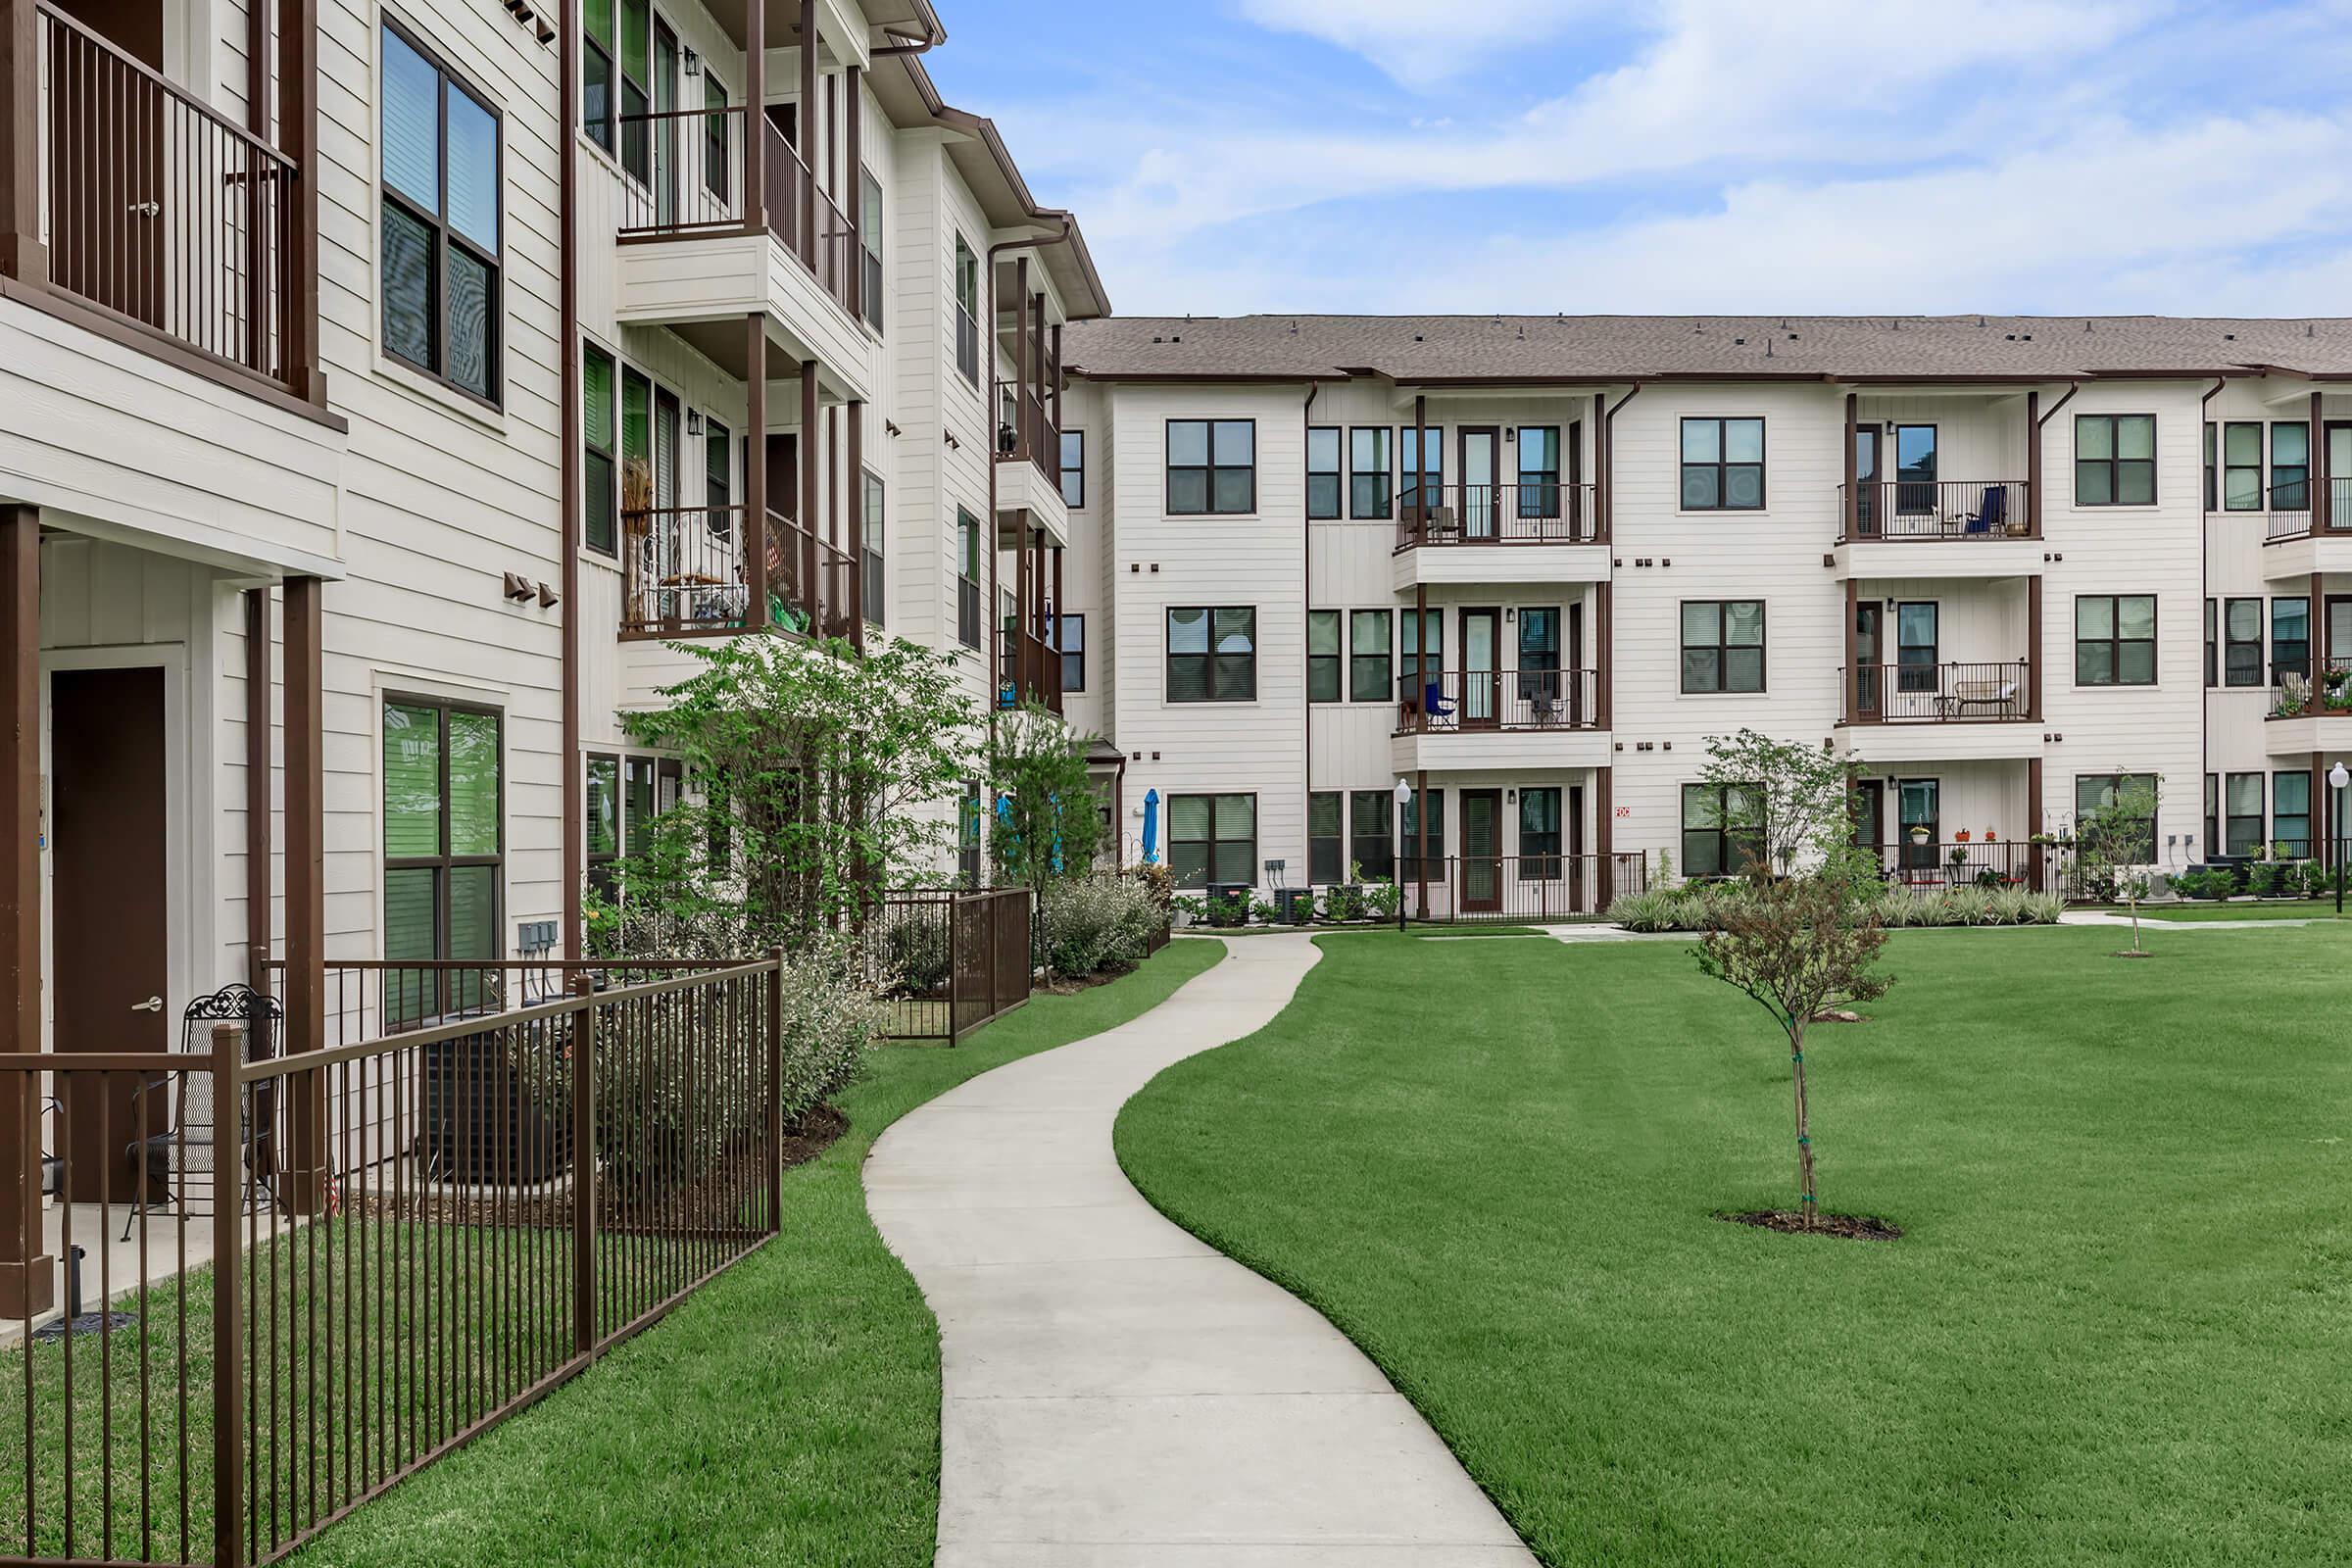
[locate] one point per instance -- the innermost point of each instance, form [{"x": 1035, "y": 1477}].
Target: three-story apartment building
[
  {"x": 1528, "y": 567},
  {"x": 387, "y": 386}
]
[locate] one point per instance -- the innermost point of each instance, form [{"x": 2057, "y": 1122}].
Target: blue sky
[{"x": 1852, "y": 156}]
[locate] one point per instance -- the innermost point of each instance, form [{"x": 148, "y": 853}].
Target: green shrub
[
  {"x": 915, "y": 951},
  {"x": 1344, "y": 902},
  {"x": 1229, "y": 910},
  {"x": 1383, "y": 898},
  {"x": 1096, "y": 924},
  {"x": 1694, "y": 907},
  {"x": 2268, "y": 879},
  {"x": 2318, "y": 881},
  {"x": 2206, "y": 882}
]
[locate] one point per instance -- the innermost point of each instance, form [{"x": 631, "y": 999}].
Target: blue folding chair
[
  {"x": 1433, "y": 703},
  {"x": 1988, "y": 516}
]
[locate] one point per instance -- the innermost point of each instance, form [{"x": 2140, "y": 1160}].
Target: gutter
[
  {"x": 575, "y": 784},
  {"x": 1306, "y": 588},
  {"x": 2204, "y": 589}
]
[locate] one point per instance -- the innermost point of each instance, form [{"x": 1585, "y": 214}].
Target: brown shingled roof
[{"x": 1435, "y": 349}]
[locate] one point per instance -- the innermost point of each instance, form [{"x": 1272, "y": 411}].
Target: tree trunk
[{"x": 1806, "y": 1204}]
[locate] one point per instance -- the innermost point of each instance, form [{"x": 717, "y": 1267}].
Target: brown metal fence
[
  {"x": 951, "y": 960},
  {"x": 1516, "y": 888},
  {"x": 309, "y": 1276}
]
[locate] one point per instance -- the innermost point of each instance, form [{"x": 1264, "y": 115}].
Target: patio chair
[
  {"x": 53, "y": 1169},
  {"x": 1987, "y": 518},
  {"x": 185, "y": 1148},
  {"x": 1434, "y": 704},
  {"x": 1999, "y": 695}
]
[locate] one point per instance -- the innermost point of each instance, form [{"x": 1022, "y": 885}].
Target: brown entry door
[
  {"x": 107, "y": 870},
  {"x": 1482, "y": 852}
]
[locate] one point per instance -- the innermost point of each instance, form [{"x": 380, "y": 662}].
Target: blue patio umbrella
[{"x": 1151, "y": 828}]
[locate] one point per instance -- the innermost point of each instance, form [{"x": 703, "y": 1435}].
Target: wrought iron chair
[{"x": 186, "y": 1147}]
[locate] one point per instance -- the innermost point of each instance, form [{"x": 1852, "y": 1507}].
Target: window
[
  {"x": 1918, "y": 804},
  {"x": 1326, "y": 838},
  {"x": 2241, "y": 643},
  {"x": 1538, "y": 471},
  {"x": 2243, "y": 821},
  {"x": 876, "y": 543},
  {"x": 1212, "y": 655},
  {"x": 2213, "y": 813},
  {"x": 719, "y": 139},
  {"x": 967, "y": 578},
  {"x": 636, "y": 426},
  {"x": 1372, "y": 830},
  {"x": 1711, "y": 848},
  {"x": 1213, "y": 467},
  {"x": 1539, "y": 834},
  {"x": 1424, "y": 462},
  {"x": 2290, "y": 813},
  {"x": 1918, "y": 634},
  {"x": 1322, "y": 656},
  {"x": 2094, "y": 792},
  {"x": 2290, "y": 466},
  {"x": 2290, "y": 637},
  {"x": 2212, "y": 482},
  {"x": 869, "y": 246},
  {"x": 1212, "y": 838},
  {"x": 603, "y": 821},
  {"x": 441, "y": 217},
  {"x": 967, "y": 311},
  {"x": 2115, "y": 640},
  {"x": 1723, "y": 465},
  {"x": 1368, "y": 473},
  {"x": 443, "y": 850},
  {"x": 1433, "y": 649},
  {"x": 967, "y": 835},
  {"x": 1915, "y": 468},
  {"x": 2115, "y": 460},
  {"x": 1073, "y": 467},
  {"x": 2241, "y": 466},
  {"x": 596, "y": 72},
  {"x": 1723, "y": 645},
  {"x": 2213, "y": 644},
  {"x": 1368, "y": 657},
  {"x": 1069, "y": 640},
  {"x": 600, "y": 495},
  {"x": 1323, "y": 471},
  {"x": 1409, "y": 866}
]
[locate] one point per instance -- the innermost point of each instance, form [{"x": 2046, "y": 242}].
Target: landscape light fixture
[
  {"x": 1404, "y": 798},
  {"x": 2338, "y": 776}
]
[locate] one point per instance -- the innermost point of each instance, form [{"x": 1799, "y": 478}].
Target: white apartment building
[
  {"x": 1995, "y": 562},
  {"x": 386, "y": 384}
]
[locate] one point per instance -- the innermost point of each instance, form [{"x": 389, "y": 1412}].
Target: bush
[
  {"x": 2316, "y": 880},
  {"x": 1229, "y": 910},
  {"x": 2270, "y": 879},
  {"x": 917, "y": 950},
  {"x": 2206, "y": 882},
  {"x": 1344, "y": 902},
  {"x": 1096, "y": 924},
  {"x": 1698, "y": 906},
  {"x": 1159, "y": 882},
  {"x": 1383, "y": 898},
  {"x": 831, "y": 1019}
]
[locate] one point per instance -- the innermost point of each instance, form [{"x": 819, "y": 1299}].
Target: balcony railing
[
  {"x": 1514, "y": 888},
  {"x": 1940, "y": 694},
  {"x": 1933, "y": 864},
  {"x": 2291, "y": 515},
  {"x": 796, "y": 557},
  {"x": 1453, "y": 700},
  {"x": 1899, "y": 509},
  {"x": 158, "y": 209},
  {"x": 1025, "y": 428},
  {"x": 1528, "y": 512},
  {"x": 697, "y": 188},
  {"x": 685, "y": 573},
  {"x": 2295, "y": 694},
  {"x": 1031, "y": 671}
]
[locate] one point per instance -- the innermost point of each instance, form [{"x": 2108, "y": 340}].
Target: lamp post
[
  {"x": 2338, "y": 776},
  {"x": 1404, "y": 798}
]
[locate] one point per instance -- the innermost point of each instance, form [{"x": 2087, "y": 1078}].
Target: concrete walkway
[{"x": 1118, "y": 1395}]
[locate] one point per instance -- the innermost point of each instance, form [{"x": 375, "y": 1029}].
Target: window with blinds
[{"x": 444, "y": 850}]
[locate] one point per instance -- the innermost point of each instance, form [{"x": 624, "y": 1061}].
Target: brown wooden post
[
  {"x": 809, "y": 503},
  {"x": 303, "y": 1190},
  {"x": 1852, "y": 683},
  {"x": 2316, "y": 453},
  {"x": 583, "y": 1174},
  {"x": 754, "y": 537},
  {"x": 229, "y": 1305},
  {"x": 1602, "y": 523},
  {"x": 1020, "y": 359},
  {"x": 1054, "y": 648},
  {"x": 1604, "y": 835},
  {"x": 754, "y": 127},
  {"x": 1054, "y": 385},
  {"x": 807, "y": 122},
  {"x": 298, "y": 129},
  {"x": 832, "y": 500},
  {"x": 1852, "y": 508},
  {"x": 1033, "y": 420},
  {"x": 27, "y": 1277},
  {"x": 854, "y": 187},
  {"x": 1604, "y": 655},
  {"x": 260, "y": 845},
  {"x": 2033, "y": 464},
  {"x": 859, "y": 609},
  {"x": 22, "y": 254},
  {"x": 2036, "y": 862},
  {"x": 1421, "y": 490},
  {"x": 2033, "y": 647}
]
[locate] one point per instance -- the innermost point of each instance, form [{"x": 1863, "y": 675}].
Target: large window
[
  {"x": 1539, "y": 834},
  {"x": 444, "y": 845},
  {"x": 2095, "y": 792},
  {"x": 1212, "y": 467},
  {"x": 967, "y": 311},
  {"x": 2290, "y": 637},
  {"x": 2241, "y": 465},
  {"x": 1430, "y": 662},
  {"x": 1368, "y": 475},
  {"x": 2290, "y": 813},
  {"x": 1212, "y": 655},
  {"x": 1713, "y": 845},
  {"x": 967, "y": 578},
  {"x": 1371, "y": 840},
  {"x": 2115, "y": 460},
  {"x": 636, "y": 81},
  {"x": 1422, "y": 456},
  {"x": 718, "y": 139},
  {"x": 1323, "y": 471},
  {"x": 2213, "y": 644},
  {"x": 2243, "y": 820},
  {"x": 1410, "y": 865},
  {"x": 2213, "y": 459},
  {"x": 596, "y": 72},
  {"x": 876, "y": 544},
  {"x": 1326, "y": 838},
  {"x": 441, "y": 221},
  {"x": 1538, "y": 471},
  {"x": 600, "y": 497},
  {"x": 1212, "y": 838},
  {"x": 1073, "y": 467},
  {"x": 1915, "y": 468},
  {"x": 2241, "y": 643},
  {"x": 1723, "y": 645},
  {"x": 869, "y": 245},
  {"x": 2290, "y": 466},
  {"x": 1368, "y": 677},
  {"x": 1723, "y": 465},
  {"x": 2115, "y": 640},
  {"x": 1322, "y": 656},
  {"x": 968, "y": 816},
  {"x": 1069, "y": 641}
]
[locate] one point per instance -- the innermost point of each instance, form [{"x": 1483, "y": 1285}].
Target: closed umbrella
[{"x": 1151, "y": 828}]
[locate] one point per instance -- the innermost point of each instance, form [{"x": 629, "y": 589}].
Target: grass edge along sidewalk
[{"x": 786, "y": 1414}]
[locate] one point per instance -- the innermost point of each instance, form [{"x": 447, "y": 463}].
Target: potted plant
[
  {"x": 1919, "y": 833},
  {"x": 1959, "y": 856},
  {"x": 1960, "y": 837}
]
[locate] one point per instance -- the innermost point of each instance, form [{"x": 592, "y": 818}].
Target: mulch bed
[
  {"x": 813, "y": 1135},
  {"x": 1844, "y": 1227}
]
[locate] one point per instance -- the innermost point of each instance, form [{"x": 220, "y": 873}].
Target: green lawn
[
  {"x": 2115, "y": 1332},
  {"x": 786, "y": 1415},
  {"x": 2283, "y": 909}
]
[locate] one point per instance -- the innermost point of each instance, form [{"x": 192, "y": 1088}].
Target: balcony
[
  {"x": 1529, "y": 531},
  {"x": 1031, "y": 672},
  {"x": 1029, "y": 454},
  {"x": 1496, "y": 718},
  {"x": 685, "y": 573},
  {"x": 1925, "y": 864},
  {"x": 2299, "y": 538},
  {"x": 1888, "y": 529},
  {"x": 164, "y": 219},
  {"x": 1954, "y": 712},
  {"x": 2310, "y": 714}
]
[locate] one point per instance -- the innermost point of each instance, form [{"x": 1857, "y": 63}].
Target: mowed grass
[
  {"x": 786, "y": 1415},
  {"x": 2281, "y": 910},
  {"x": 2116, "y": 1332}
]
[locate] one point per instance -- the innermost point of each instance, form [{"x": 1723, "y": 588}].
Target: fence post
[
  {"x": 955, "y": 973},
  {"x": 993, "y": 960},
  {"x": 229, "y": 1156},
  {"x": 775, "y": 1090},
  {"x": 583, "y": 1174}
]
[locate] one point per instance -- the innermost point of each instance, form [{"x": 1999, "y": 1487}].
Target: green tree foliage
[{"x": 1048, "y": 824}]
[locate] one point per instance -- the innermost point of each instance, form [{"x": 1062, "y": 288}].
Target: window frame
[
  {"x": 1722, "y": 833},
  {"x": 2233, "y": 646},
  {"x": 1210, "y": 655},
  {"x": 610, "y": 453},
  {"x": 2300, "y": 500},
  {"x": 1722, "y": 465},
  {"x": 1217, "y": 838},
  {"x": 1423, "y": 478},
  {"x": 1076, "y": 500},
  {"x": 1722, "y": 648},
  {"x": 1543, "y": 864},
  {"x": 965, "y": 264},
  {"x": 1372, "y": 833},
  {"x": 1384, "y": 688},
  {"x": 967, "y": 578},
  {"x": 1336, "y": 508},
  {"x": 875, "y": 275},
  {"x": 1326, "y": 671},
  {"x": 1071, "y": 657},
  {"x": 2116, "y": 642},
  {"x": 873, "y": 538},
  {"x": 2234, "y": 820},
  {"x": 1360, "y": 474},
  {"x": 2117, "y": 783},
  {"x": 1320, "y": 845},
  {"x": 604, "y": 131},
  {"x": 2114, "y": 461},
  {"x": 446, "y": 860},
  {"x": 2279, "y": 665},
  {"x": 1543, "y": 482},
  {"x": 2253, "y": 492},
  {"x": 441, "y": 231},
  {"x": 1209, "y": 471},
  {"x": 2280, "y": 816}
]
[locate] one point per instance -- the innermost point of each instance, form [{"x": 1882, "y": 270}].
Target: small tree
[
  {"x": 1794, "y": 944},
  {"x": 2115, "y": 842},
  {"x": 1784, "y": 800},
  {"x": 1048, "y": 825}
]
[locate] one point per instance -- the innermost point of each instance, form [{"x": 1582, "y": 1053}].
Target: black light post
[
  {"x": 2337, "y": 777},
  {"x": 1404, "y": 798}
]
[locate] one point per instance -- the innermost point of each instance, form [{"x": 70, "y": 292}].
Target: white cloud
[{"x": 1422, "y": 44}]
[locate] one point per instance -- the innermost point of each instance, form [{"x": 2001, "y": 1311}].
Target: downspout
[
  {"x": 1306, "y": 592},
  {"x": 575, "y": 785},
  {"x": 1604, "y": 827}
]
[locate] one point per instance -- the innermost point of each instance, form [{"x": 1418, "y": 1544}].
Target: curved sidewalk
[{"x": 1118, "y": 1395}]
